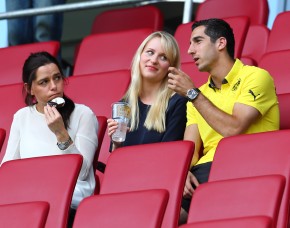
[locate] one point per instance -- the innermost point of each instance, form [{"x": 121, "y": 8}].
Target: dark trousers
[
  {"x": 71, "y": 217},
  {"x": 201, "y": 172}
]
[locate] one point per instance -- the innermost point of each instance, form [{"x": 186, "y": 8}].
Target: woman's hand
[
  {"x": 55, "y": 123},
  {"x": 112, "y": 127}
]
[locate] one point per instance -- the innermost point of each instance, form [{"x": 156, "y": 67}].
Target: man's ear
[
  {"x": 222, "y": 43},
  {"x": 26, "y": 87}
]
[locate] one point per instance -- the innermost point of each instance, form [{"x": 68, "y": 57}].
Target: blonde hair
[{"x": 156, "y": 117}]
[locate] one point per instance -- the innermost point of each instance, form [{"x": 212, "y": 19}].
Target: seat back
[
  {"x": 284, "y": 106},
  {"x": 14, "y": 57},
  {"x": 256, "y": 43},
  {"x": 254, "y": 155},
  {"x": 102, "y": 120},
  {"x": 108, "y": 51},
  {"x": 279, "y": 34},
  {"x": 142, "y": 209},
  {"x": 98, "y": 91},
  {"x": 232, "y": 197},
  {"x": 239, "y": 24},
  {"x": 2, "y": 137},
  {"x": 241, "y": 222},
  {"x": 126, "y": 19},
  {"x": 182, "y": 35},
  {"x": 10, "y": 100},
  {"x": 26, "y": 215},
  {"x": 161, "y": 165},
  {"x": 198, "y": 78},
  {"x": 147, "y": 16},
  {"x": 277, "y": 64},
  {"x": 50, "y": 178},
  {"x": 257, "y": 11}
]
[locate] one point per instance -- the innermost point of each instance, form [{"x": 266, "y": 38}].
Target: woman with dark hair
[{"x": 41, "y": 129}]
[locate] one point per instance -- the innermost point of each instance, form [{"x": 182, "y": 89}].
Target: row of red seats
[
  {"x": 90, "y": 90},
  {"x": 95, "y": 55},
  {"x": 143, "y": 184}
]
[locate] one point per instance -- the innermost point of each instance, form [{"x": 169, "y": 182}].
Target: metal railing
[{"x": 187, "y": 11}]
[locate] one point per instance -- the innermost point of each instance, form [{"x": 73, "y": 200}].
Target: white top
[{"x": 31, "y": 137}]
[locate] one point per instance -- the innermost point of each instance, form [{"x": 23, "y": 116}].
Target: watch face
[{"x": 191, "y": 94}]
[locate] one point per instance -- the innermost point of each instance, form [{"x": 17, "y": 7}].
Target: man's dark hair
[{"x": 216, "y": 28}]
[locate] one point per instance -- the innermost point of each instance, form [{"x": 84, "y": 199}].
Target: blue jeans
[{"x": 31, "y": 29}]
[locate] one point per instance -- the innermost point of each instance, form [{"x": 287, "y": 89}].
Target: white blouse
[{"x": 31, "y": 137}]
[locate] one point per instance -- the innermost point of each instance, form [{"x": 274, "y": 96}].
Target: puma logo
[{"x": 251, "y": 92}]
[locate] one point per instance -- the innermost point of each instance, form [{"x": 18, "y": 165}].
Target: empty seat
[
  {"x": 241, "y": 222},
  {"x": 11, "y": 100},
  {"x": 99, "y": 90},
  {"x": 110, "y": 51},
  {"x": 277, "y": 64},
  {"x": 50, "y": 178},
  {"x": 147, "y": 16},
  {"x": 13, "y": 57},
  {"x": 240, "y": 197},
  {"x": 280, "y": 32},
  {"x": 142, "y": 209},
  {"x": 161, "y": 165},
  {"x": 256, "y": 154},
  {"x": 25, "y": 215},
  {"x": 284, "y": 106},
  {"x": 102, "y": 121},
  {"x": 257, "y": 10},
  {"x": 255, "y": 44}
]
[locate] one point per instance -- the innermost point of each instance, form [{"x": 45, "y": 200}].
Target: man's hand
[
  {"x": 179, "y": 81},
  {"x": 188, "y": 189}
]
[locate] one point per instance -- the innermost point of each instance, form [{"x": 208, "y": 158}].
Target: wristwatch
[
  {"x": 192, "y": 94},
  {"x": 64, "y": 145}
]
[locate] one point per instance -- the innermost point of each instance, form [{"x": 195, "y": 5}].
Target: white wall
[
  {"x": 3, "y": 26},
  {"x": 276, "y": 7}
]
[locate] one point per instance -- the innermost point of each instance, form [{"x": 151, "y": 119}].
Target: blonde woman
[{"x": 158, "y": 114}]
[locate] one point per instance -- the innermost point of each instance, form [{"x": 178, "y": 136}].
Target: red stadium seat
[
  {"x": 13, "y": 57},
  {"x": 142, "y": 209},
  {"x": 240, "y": 197},
  {"x": 28, "y": 214},
  {"x": 255, "y": 44},
  {"x": 49, "y": 178},
  {"x": 147, "y": 16},
  {"x": 252, "y": 155},
  {"x": 198, "y": 78},
  {"x": 239, "y": 25},
  {"x": 110, "y": 51},
  {"x": 161, "y": 165},
  {"x": 277, "y": 64},
  {"x": 279, "y": 34},
  {"x": 126, "y": 19},
  {"x": 284, "y": 106},
  {"x": 257, "y": 10},
  {"x": 10, "y": 100},
  {"x": 99, "y": 91},
  {"x": 241, "y": 222}
]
